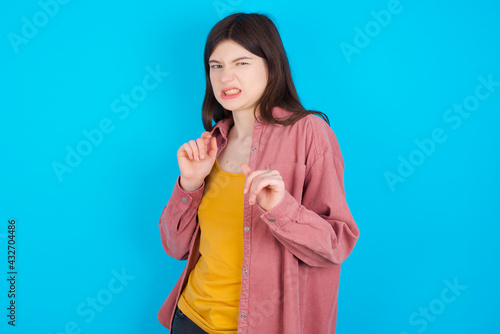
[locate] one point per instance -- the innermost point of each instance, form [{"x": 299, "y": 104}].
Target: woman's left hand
[{"x": 265, "y": 187}]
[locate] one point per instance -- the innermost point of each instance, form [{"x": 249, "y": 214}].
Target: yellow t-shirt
[{"x": 212, "y": 294}]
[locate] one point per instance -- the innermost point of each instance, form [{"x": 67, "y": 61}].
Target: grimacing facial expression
[{"x": 238, "y": 76}]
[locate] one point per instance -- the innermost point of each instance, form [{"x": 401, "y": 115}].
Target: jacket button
[
  {"x": 243, "y": 315},
  {"x": 272, "y": 219},
  {"x": 245, "y": 271},
  {"x": 254, "y": 149},
  {"x": 246, "y": 228},
  {"x": 184, "y": 200}
]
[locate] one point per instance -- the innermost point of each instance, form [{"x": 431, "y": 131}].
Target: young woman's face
[{"x": 238, "y": 76}]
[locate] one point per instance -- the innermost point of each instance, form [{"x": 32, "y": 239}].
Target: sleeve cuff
[
  {"x": 184, "y": 199},
  {"x": 284, "y": 212}
]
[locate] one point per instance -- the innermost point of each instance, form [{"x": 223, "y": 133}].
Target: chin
[{"x": 230, "y": 106}]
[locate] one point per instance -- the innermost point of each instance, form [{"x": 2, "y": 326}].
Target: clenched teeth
[{"x": 231, "y": 91}]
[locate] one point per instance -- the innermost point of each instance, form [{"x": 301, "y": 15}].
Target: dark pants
[{"x": 183, "y": 325}]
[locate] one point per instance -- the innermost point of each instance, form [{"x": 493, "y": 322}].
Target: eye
[
  {"x": 241, "y": 63},
  {"x": 216, "y": 66}
]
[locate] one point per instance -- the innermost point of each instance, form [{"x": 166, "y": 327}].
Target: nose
[{"x": 227, "y": 75}]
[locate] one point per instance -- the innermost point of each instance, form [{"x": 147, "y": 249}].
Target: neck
[{"x": 243, "y": 125}]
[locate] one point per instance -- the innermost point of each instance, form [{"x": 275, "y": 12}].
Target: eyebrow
[{"x": 234, "y": 60}]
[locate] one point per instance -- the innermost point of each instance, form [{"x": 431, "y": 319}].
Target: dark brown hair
[{"x": 258, "y": 34}]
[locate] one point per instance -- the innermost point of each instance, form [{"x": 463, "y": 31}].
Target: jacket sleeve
[
  {"x": 179, "y": 219},
  {"x": 320, "y": 230}
]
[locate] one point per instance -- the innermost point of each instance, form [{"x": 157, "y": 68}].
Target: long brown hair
[{"x": 258, "y": 34}]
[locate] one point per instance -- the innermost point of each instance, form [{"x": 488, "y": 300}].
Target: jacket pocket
[{"x": 293, "y": 174}]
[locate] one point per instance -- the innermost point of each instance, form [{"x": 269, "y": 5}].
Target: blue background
[{"x": 76, "y": 232}]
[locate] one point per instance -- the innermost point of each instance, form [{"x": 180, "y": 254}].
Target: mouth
[
  {"x": 230, "y": 93},
  {"x": 233, "y": 91}
]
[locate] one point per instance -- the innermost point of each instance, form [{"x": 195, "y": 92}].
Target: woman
[{"x": 259, "y": 209}]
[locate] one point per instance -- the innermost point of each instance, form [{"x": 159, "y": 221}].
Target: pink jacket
[{"x": 292, "y": 253}]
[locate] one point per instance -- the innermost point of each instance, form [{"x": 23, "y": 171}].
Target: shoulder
[
  {"x": 312, "y": 135},
  {"x": 310, "y": 120},
  {"x": 315, "y": 130}
]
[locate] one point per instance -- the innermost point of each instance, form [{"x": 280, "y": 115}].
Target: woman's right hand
[{"x": 195, "y": 163}]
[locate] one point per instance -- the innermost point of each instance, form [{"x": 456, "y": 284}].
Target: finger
[
  {"x": 205, "y": 136},
  {"x": 250, "y": 177},
  {"x": 185, "y": 151},
  {"x": 202, "y": 147},
  {"x": 213, "y": 148},
  {"x": 246, "y": 170},
  {"x": 257, "y": 175},
  {"x": 263, "y": 181},
  {"x": 273, "y": 182},
  {"x": 194, "y": 148}
]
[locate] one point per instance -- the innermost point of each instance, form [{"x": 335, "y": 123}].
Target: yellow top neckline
[{"x": 228, "y": 173}]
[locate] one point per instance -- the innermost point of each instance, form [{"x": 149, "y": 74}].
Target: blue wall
[{"x": 96, "y": 97}]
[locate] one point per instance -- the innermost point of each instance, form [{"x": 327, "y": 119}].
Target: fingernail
[{"x": 202, "y": 156}]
